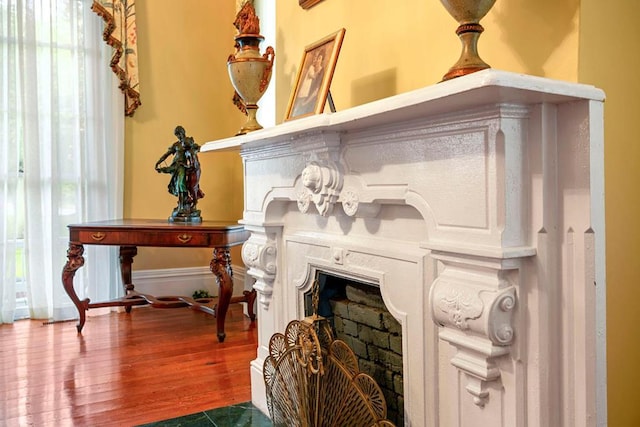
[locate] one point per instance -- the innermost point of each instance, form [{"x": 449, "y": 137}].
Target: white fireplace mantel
[{"x": 477, "y": 206}]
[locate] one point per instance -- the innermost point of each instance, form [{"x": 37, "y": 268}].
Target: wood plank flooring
[{"x": 124, "y": 369}]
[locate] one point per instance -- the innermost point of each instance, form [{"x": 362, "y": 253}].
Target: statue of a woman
[{"x": 185, "y": 176}]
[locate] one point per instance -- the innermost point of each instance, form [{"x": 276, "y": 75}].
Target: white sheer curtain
[{"x": 61, "y": 153}]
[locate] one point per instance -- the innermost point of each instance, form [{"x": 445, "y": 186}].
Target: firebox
[{"x": 358, "y": 316}]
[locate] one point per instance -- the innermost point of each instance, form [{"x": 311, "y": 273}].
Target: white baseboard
[{"x": 184, "y": 281}]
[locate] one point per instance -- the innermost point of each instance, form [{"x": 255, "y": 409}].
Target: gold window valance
[{"x": 120, "y": 33}]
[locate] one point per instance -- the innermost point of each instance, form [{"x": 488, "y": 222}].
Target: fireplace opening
[{"x": 359, "y": 317}]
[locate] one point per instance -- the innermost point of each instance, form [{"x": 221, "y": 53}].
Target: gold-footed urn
[
  {"x": 249, "y": 71},
  {"x": 468, "y": 13}
]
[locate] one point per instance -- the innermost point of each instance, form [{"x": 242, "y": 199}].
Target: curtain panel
[
  {"x": 121, "y": 34},
  {"x": 61, "y": 154}
]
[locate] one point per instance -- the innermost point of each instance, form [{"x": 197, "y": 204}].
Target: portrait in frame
[{"x": 313, "y": 79}]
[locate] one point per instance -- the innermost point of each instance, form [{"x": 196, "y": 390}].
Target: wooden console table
[{"x": 131, "y": 233}]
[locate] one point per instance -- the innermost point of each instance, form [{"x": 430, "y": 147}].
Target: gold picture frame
[{"x": 314, "y": 76}]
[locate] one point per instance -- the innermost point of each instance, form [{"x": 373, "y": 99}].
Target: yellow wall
[
  {"x": 395, "y": 47},
  {"x": 182, "y": 59},
  {"x": 608, "y": 58}
]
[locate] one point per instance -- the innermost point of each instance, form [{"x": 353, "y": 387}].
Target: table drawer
[{"x": 146, "y": 238}]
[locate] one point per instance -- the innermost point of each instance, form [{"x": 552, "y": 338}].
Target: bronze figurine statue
[{"x": 185, "y": 177}]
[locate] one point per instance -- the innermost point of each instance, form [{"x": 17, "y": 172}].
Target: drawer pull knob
[
  {"x": 184, "y": 238},
  {"x": 98, "y": 236}
]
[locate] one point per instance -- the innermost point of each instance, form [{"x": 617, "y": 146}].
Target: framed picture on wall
[
  {"x": 314, "y": 76},
  {"x": 306, "y": 4}
]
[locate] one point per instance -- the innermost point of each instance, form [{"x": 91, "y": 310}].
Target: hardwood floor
[{"x": 125, "y": 369}]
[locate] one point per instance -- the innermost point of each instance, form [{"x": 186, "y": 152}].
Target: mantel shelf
[{"x": 500, "y": 86}]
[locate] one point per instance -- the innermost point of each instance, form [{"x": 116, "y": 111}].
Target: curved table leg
[
  {"x": 126, "y": 259},
  {"x": 75, "y": 260},
  {"x": 221, "y": 268}
]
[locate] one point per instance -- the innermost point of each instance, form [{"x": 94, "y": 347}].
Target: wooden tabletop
[{"x": 158, "y": 232}]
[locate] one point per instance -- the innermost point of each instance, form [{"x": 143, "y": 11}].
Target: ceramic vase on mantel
[
  {"x": 468, "y": 13},
  {"x": 249, "y": 71}
]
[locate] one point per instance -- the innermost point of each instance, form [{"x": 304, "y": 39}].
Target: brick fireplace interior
[{"x": 358, "y": 316}]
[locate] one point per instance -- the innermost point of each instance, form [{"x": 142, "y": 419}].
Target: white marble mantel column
[{"x": 477, "y": 206}]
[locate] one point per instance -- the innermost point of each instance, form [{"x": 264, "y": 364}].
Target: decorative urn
[
  {"x": 249, "y": 71},
  {"x": 468, "y": 13}
]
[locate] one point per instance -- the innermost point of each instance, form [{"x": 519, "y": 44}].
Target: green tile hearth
[{"x": 240, "y": 415}]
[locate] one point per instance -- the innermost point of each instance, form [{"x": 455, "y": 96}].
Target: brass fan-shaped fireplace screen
[{"x": 313, "y": 380}]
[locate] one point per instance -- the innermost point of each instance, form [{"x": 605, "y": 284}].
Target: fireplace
[{"x": 476, "y": 207}]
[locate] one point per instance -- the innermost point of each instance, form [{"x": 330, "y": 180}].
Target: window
[{"x": 60, "y": 149}]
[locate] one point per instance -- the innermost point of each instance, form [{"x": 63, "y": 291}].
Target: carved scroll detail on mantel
[
  {"x": 322, "y": 182},
  {"x": 474, "y": 306},
  {"x": 259, "y": 254}
]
